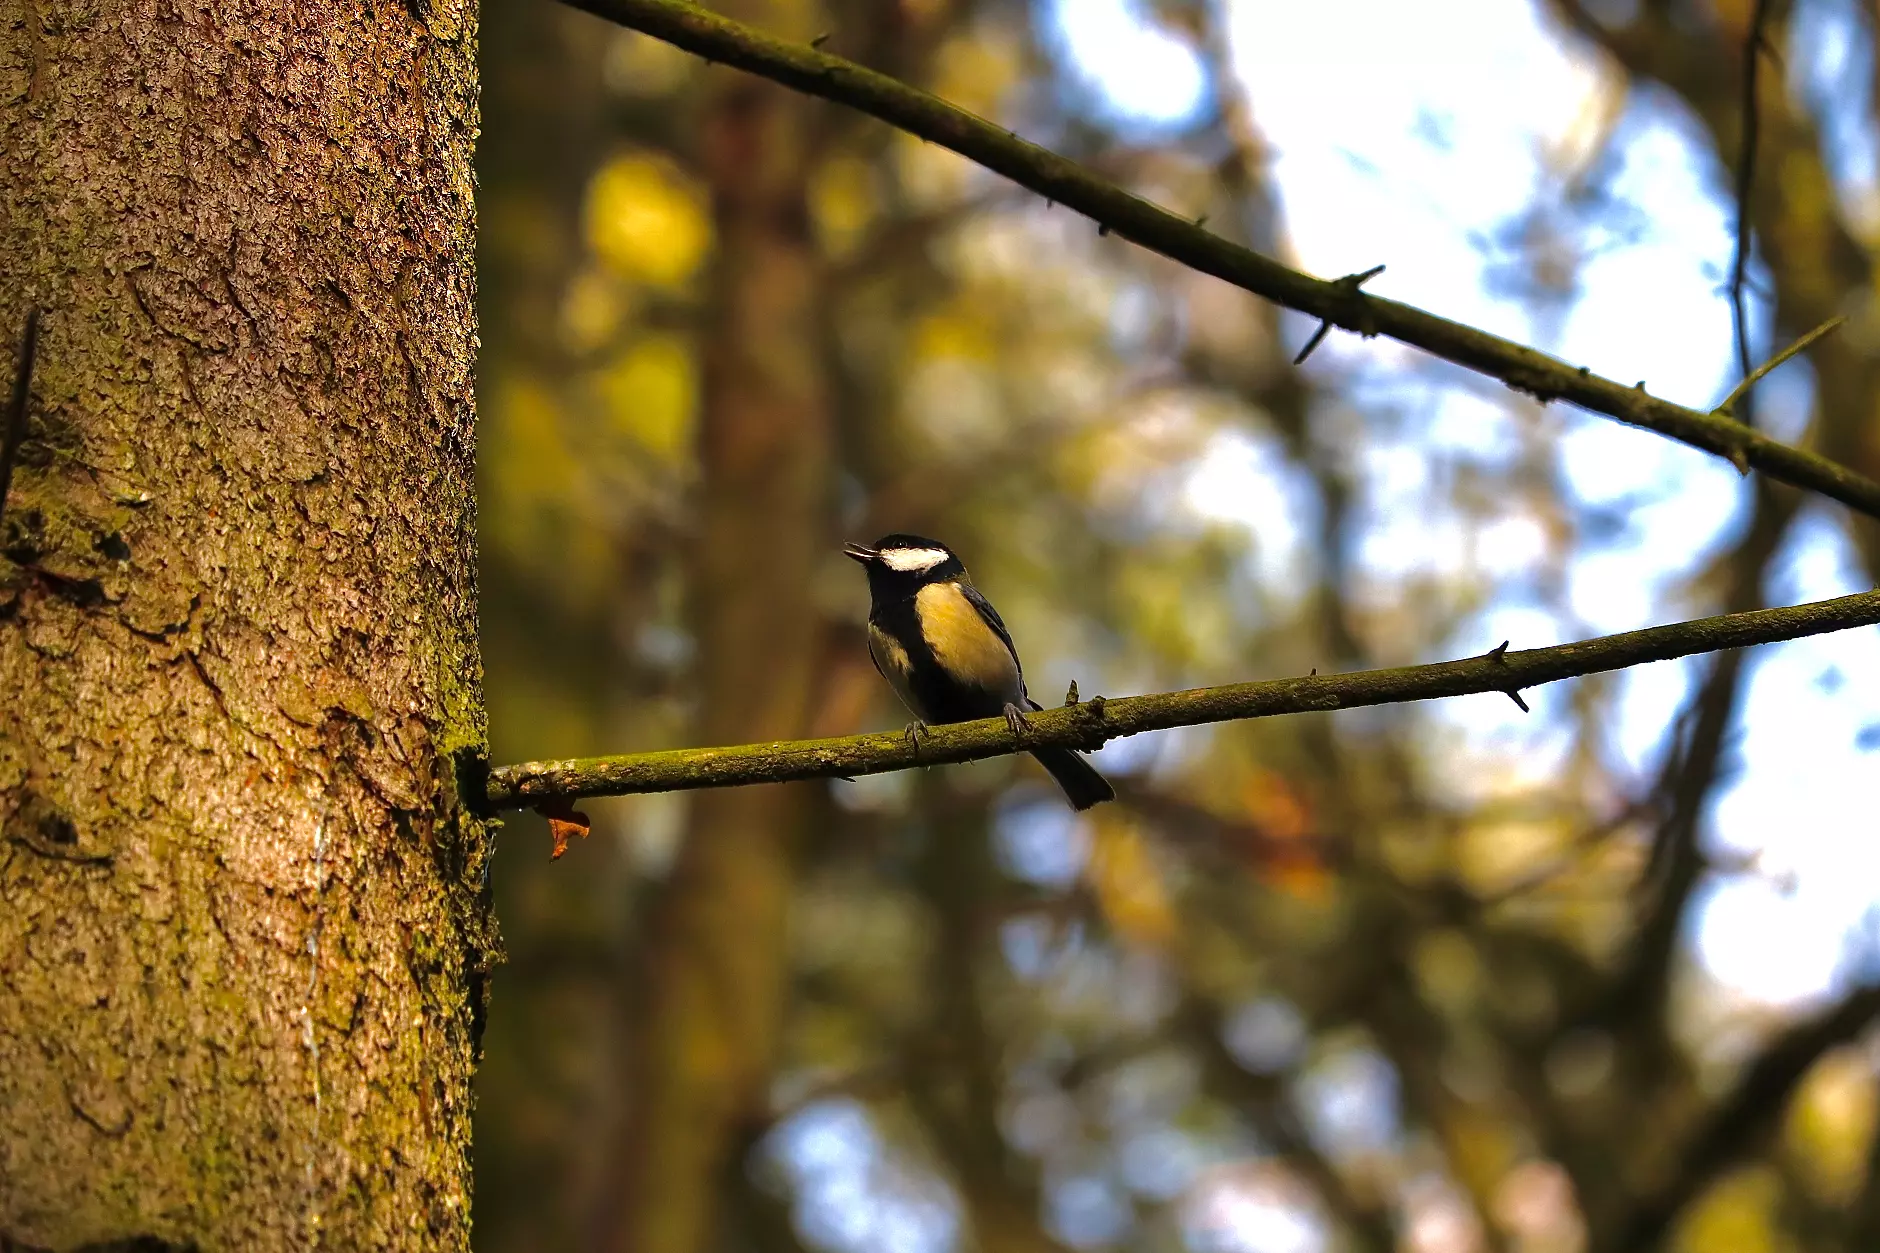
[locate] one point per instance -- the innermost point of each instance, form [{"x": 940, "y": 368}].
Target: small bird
[{"x": 945, "y": 651}]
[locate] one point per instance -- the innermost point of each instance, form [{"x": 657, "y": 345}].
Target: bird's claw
[
  {"x": 914, "y": 732},
  {"x": 1016, "y": 720}
]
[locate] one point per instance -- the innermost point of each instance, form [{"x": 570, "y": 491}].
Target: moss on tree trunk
[{"x": 242, "y": 946}]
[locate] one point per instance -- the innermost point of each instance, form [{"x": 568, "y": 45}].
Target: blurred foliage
[{"x": 1351, "y": 982}]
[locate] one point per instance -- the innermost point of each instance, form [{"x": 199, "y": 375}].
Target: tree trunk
[
  {"x": 716, "y": 967},
  {"x": 242, "y": 944}
]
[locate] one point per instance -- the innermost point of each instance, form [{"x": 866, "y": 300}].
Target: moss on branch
[
  {"x": 1337, "y": 302},
  {"x": 1094, "y": 722}
]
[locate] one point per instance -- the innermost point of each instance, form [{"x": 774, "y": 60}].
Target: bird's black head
[{"x": 900, "y": 565}]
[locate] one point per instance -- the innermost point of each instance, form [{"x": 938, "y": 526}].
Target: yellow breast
[{"x": 964, "y": 644}]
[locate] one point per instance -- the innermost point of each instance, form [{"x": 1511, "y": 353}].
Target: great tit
[{"x": 945, "y": 651}]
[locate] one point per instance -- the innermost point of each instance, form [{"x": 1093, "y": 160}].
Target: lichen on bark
[{"x": 242, "y": 940}]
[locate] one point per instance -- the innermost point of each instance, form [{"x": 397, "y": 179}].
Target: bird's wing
[{"x": 994, "y": 621}]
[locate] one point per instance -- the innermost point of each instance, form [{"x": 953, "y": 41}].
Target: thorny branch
[
  {"x": 1093, "y": 722},
  {"x": 1062, "y": 181}
]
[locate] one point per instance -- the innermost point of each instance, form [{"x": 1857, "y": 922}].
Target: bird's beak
[{"x": 860, "y": 552}]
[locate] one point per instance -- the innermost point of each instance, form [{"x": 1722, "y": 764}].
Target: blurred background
[{"x": 1440, "y": 978}]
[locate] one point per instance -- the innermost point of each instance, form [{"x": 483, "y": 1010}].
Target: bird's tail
[{"x": 1082, "y": 785}]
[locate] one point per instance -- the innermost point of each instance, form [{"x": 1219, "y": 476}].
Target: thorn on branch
[
  {"x": 1349, "y": 290},
  {"x": 1499, "y": 655},
  {"x": 1070, "y": 697},
  {"x": 819, "y": 41},
  {"x": 1325, "y": 328},
  {"x": 14, "y": 432},
  {"x": 564, "y": 823}
]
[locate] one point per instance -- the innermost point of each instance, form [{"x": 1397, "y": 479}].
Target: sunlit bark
[{"x": 242, "y": 949}]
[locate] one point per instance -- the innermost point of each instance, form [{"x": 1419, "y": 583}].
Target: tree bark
[
  {"x": 708, "y": 1022},
  {"x": 242, "y": 941}
]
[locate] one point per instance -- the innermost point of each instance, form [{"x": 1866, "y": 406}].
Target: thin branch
[
  {"x": 1636, "y": 995},
  {"x": 15, "y": 429},
  {"x": 1097, "y": 720},
  {"x": 1741, "y": 391},
  {"x": 1062, "y": 181},
  {"x": 1675, "y": 866},
  {"x": 1742, "y": 1118},
  {"x": 1745, "y": 184}
]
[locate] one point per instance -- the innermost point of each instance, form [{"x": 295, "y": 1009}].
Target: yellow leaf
[
  {"x": 1127, "y": 883},
  {"x": 954, "y": 334},
  {"x": 1482, "y": 1149},
  {"x": 647, "y": 221},
  {"x": 651, "y": 392},
  {"x": 1494, "y": 854},
  {"x": 976, "y": 72},
  {"x": 930, "y": 175},
  {"x": 1831, "y": 1124},
  {"x": 1736, "y": 1216},
  {"x": 843, "y": 202},
  {"x": 527, "y": 460},
  {"x": 593, "y": 308}
]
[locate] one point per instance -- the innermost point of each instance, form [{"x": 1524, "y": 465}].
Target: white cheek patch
[{"x": 913, "y": 560}]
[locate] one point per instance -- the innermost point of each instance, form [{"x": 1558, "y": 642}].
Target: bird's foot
[
  {"x": 914, "y": 732},
  {"x": 1015, "y": 719}
]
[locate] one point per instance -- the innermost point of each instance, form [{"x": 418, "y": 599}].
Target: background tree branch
[
  {"x": 1338, "y": 302},
  {"x": 1747, "y": 1112}
]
